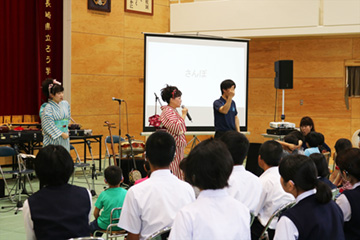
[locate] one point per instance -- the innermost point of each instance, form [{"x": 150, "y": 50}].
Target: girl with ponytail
[{"x": 314, "y": 216}]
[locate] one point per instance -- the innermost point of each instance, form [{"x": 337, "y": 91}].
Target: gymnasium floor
[{"x": 12, "y": 226}]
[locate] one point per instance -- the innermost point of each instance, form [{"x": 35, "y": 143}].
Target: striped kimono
[
  {"x": 175, "y": 125},
  {"x": 54, "y": 121}
]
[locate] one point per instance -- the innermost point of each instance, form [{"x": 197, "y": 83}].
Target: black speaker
[{"x": 284, "y": 74}]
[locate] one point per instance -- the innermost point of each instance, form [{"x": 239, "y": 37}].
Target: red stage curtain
[{"x": 23, "y": 55}]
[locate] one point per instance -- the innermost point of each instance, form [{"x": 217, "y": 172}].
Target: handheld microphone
[
  {"x": 187, "y": 114},
  {"x": 117, "y": 99}
]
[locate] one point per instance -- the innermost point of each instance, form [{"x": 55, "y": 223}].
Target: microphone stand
[{"x": 119, "y": 134}]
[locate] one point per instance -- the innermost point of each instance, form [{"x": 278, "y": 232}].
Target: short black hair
[
  {"x": 237, "y": 144},
  {"x": 53, "y": 165},
  {"x": 208, "y": 165},
  {"x": 302, "y": 171},
  {"x": 54, "y": 89},
  {"x": 297, "y": 134},
  {"x": 113, "y": 175},
  {"x": 289, "y": 138},
  {"x": 271, "y": 152},
  {"x": 307, "y": 121},
  {"x": 342, "y": 144},
  {"x": 160, "y": 149},
  {"x": 314, "y": 139},
  {"x": 169, "y": 92},
  {"x": 349, "y": 160},
  {"x": 321, "y": 164},
  {"x": 226, "y": 84}
]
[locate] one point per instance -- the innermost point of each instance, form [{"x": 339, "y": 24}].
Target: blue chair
[
  {"x": 107, "y": 153},
  {"x": 18, "y": 187},
  {"x": 79, "y": 164}
]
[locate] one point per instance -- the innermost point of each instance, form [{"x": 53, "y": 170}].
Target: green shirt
[{"x": 107, "y": 200}]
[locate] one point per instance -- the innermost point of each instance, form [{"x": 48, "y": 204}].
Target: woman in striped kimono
[
  {"x": 55, "y": 115},
  {"x": 174, "y": 124}
]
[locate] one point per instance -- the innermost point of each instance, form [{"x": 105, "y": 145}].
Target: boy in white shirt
[
  {"x": 273, "y": 195},
  {"x": 153, "y": 204},
  {"x": 243, "y": 185}
]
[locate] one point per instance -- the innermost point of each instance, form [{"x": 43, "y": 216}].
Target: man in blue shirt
[{"x": 225, "y": 113}]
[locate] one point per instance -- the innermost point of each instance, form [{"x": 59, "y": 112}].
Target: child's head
[
  {"x": 299, "y": 174},
  {"x": 160, "y": 149},
  {"x": 314, "y": 139},
  {"x": 271, "y": 152},
  {"x": 342, "y": 144},
  {"x": 349, "y": 163},
  {"x": 53, "y": 165},
  {"x": 320, "y": 163},
  {"x": 237, "y": 144},
  {"x": 113, "y": 175},
  {"x": 208, "y": 165}
]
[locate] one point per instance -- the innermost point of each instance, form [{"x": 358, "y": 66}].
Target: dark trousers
[{"x": 257, "y": 228}]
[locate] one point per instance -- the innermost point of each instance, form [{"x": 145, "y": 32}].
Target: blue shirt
[
  {"x": 224, "y": 122},
  {"x": 311, "y": 150}
]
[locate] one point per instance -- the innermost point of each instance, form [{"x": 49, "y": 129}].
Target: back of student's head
[
  {"x": 320, "y": 163},
  {"x": 342, "y": 144},
  {"x": 53, "y": 165},
  {"x": 160, "y": 149},
  {"x": 289, "y": 138},
  {"x": 237, "y": 144},
  {"x": 226, "y": 84},
  {"x": 349, "y": 160},
  {"x": 113, "y": 175},
  {"x": 271, "y": 152},
  {"x": 301, "y": 170},
  {"x": 296, "y": 134},
  {"x": 314, "y": 139},
  {"x": 208, "y": 165}
]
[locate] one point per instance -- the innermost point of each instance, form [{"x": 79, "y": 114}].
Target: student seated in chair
[
  {"x": 58, "y": 210},
  {"x": 113, "y": 197},
  {"x": 315, "y": 215},
  {"x": 322, "y": 168},
  {"x": 243, "y": 185},
  {"x": 153, "y": 204},
  {"x": 313, "y": 140},
  {"x": 349, "y": 164},
  {"x": 214, "y": 214},
  {"x": 273, "y": 195}
]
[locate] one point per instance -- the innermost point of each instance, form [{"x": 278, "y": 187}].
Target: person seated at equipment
[
  {"x": 112, "y": 197},
  {"x": 307, "y": 126},
  {"x": 313, "y": 140},
  {"x": 214, "y": 214},
  {"x": 349, "y": 164},
  {"x": 58, "y": 210},
  {"x": 243, "y": 185},
  {"x": 322, "y": 168},
  {"x": 315, "y": 215},
  {"x": 273, "y": 195},
  {"x": 153, "y": 204}
]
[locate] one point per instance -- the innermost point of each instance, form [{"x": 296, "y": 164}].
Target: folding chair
[
  {"x": 162, "y": 234},
  {"x": 276, "y": 214},
  {"x": 18, "y": 187},
  {"x": 110, "y": 233},
  {"x": 87, "y": 238},
  {"x": 107, "y": 153},
  {"x": 79, "y": 164}
]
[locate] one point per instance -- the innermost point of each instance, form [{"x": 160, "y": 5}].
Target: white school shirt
[
  {"x": 245, "y": 187},
  {"x": 344, "y": 204},
  {"x": 285, "y": 228},
  {"x": 214, "y": 215},
  {"x": 272, "y": 197},
  {"x": 153, "y": 204}
]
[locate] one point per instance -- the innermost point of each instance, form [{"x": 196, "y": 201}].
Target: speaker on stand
[{"x": 283, "y": 79}]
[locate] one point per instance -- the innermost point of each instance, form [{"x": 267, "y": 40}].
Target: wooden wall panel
[
  {"x": 356, "y": 48},
  {"x": 104, "y": 23},
  {"x": 97, "y": 54},
  {"x": 134, "y": 57}
]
